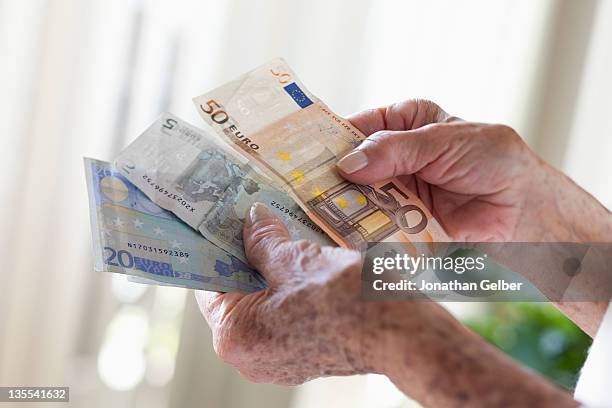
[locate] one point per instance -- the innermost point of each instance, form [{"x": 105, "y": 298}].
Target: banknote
[
  {"x": 296, "y": 140},
  {"x": 133, "y": 235},
  {"x": 200, "y": 179}
]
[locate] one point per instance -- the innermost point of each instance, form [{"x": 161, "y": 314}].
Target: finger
[
  {"x": 368, "y": 121},
  {"x": 215, "y": 306},
  {"x": 389, "y": 154},
  {"x": 207, "y": 303},
  {"x": 264, "y": 233},
  {"x": 405, "y": 115}
]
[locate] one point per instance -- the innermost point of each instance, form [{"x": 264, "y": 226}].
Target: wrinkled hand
[
  {"x": 310, "y": 321},
  {"x": 479, "y": 180},
  {"x": 303, "y": 325}
]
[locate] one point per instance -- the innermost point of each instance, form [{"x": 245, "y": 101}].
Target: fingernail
[
  {"x": 353, "y": 161},
  {"x": 258, "y": 212}
]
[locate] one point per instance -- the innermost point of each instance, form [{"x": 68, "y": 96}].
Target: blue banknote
[
  {"x": 134, "y": 236},
  {"x": 190, "y": 172}
]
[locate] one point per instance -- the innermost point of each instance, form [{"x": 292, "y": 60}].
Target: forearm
[
  {"x": 567, "y": 213},
  {"x": 450, "y": 366}
]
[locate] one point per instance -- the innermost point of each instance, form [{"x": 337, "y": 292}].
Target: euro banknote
[
  {"x": 200, "y": 179},
  {"x": 134, "y": 236},
  {"x": 295, "y": 139}
]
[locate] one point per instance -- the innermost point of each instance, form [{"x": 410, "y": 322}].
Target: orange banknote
[{"x": 296, "y": 140}]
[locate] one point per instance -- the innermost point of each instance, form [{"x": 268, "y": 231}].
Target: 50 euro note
[
  {"x": 296, "y": 140},
  {"x": 132, "y": 235},
  {"x": 201, "y": 180}
]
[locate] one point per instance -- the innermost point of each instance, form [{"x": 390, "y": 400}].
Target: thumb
[
  {"x": 387, "y": 154},
  {"x": 264, "y": 234}
]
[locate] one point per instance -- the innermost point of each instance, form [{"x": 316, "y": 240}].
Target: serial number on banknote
[
  {"x": 156, "y": 250},
  {"x": 179, "y": 199},
  {"x": 291, "y": 213}
]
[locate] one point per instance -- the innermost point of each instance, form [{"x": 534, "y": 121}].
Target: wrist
[
  {"x": 448, "y": 365},
  {"x": 585, "y": 217},
  {"x": 561, "y": 210},
  {"x": 397, "y": 335}
]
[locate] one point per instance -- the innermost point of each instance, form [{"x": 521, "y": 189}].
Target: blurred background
[{"x": 85, "y": 77}]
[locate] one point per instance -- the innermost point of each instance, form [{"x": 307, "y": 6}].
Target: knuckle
[
  {"x": 382, "y": 142},
  {"x": 414, "y": 103},
  {"x": 506, "y": 131},
  {"x": 306, "y": 247},
  {"x": 306, "y": 255},
  {"x": 504, "y": 143},
  {"x": 342, "y": 259},
  {"x": 376, "y": 138},
  {"x": 425, "y": 104},
  {"x": 347, "y": 255},
  {"x": 428, "y": 110},
  {"x": 507, "y": 137}
]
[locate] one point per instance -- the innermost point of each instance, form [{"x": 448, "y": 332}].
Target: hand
[
  {"x": 301, "y": 326},
  {"x": 480, "y": 181},
  {"x": 311, "y": 322}
]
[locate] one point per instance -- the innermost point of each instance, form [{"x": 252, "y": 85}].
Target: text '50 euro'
[{"x": 296, "y": 140}]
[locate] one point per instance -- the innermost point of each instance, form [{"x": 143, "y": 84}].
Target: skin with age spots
[
  {"x": 311, "y": 321},
  {"x": 268, "y": 335},
  {"x": 482, "y": 183}
]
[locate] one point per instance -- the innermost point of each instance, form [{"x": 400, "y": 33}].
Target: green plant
[{"x": 537, "y": 335}]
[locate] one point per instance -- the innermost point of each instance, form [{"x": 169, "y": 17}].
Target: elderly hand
[
  {"x": 311, "y": 322},
  {"x": 480, "y": 181},
  {"x": 302, "y": 325}
]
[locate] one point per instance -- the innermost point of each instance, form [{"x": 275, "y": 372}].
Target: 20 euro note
[
  {"x": 134, "y": 236},
  {"x": 296, "y": 140},
  {"x": 206, "y": 184}
]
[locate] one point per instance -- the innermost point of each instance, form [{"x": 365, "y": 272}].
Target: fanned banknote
[
  {"x": 133, "y": 235},
  {"x": 296, "y": 140},
  {"x": 206, "y": 184}
]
